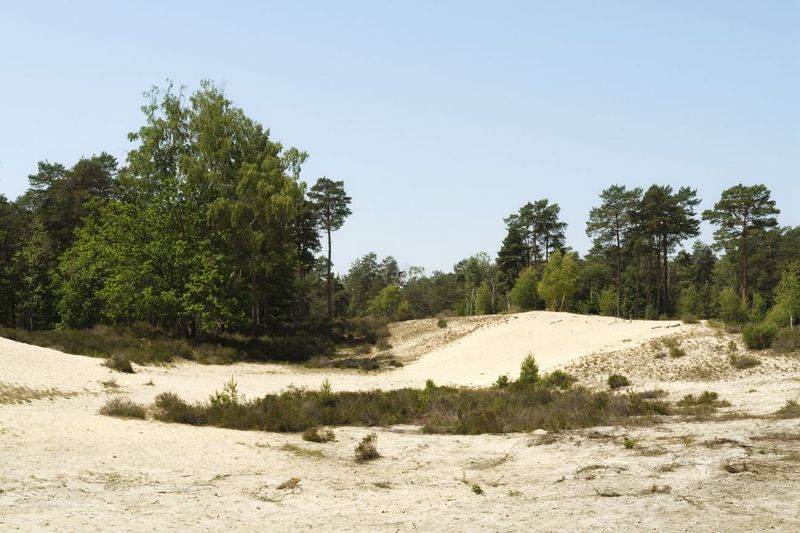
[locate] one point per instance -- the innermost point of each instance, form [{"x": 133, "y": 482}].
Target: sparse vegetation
[
  {"x": 476, "y": 489},
  {"x": 123, "y": 408},
  {"x": 367, "y": 449},
  {"x": 790, "y": 410},
  {"x": 289, "y": 483},
  {"x": 630, "y": 443},
  {"x": 529, "y": 370},
  {"x": 441, "y": 323},
  {"x": 560, "y": 379},
  {"x": 743, "y": 361},
  {"x": 617, "y": 381},
  {"x": 704, "y": 404},
  {"x": 787, "y": 341},
  {"x": 502, "y": 381},
  {"x": 302, "y": 452}
]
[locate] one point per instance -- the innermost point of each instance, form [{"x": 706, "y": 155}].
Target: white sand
[{"x": 64, "y": 467}]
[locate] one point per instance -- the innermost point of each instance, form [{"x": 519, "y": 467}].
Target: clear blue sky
[{"x": 441, "y": 119}]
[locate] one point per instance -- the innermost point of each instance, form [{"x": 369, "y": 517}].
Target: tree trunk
[{"x": 330, "y": 279}]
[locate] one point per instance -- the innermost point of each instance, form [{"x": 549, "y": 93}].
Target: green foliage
[
  {"x": 390, "y": 304},
  {"x": 689, "y": 305},
  {"x": 560, "y": 281},
  {"x": 787, "y": 341},
  {"x": 484, "y": 301},
  {"x": 529, "y": 370},
  {"x": 787, "y": 300},
  {"x": 502, "y": 381},
  {"x": 607, "y": 302},
  {"x": 524, "y": 293},
  {"x": 559, "y": 379},
  {"x": 732, "y": 309},
  {"x": 319, "y": 435},
  {"x": 759, "y": 336},
  {"x": 617, "y": 381},
  {"x": 742, "y": 362},
  {"x": 441, "y": 323}
]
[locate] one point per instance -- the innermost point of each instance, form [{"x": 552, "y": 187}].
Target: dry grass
[
  {"x": 123, "y": 408},
  {"x": 790, "y": 410},
  {"x": 16, "y": 394},
  {"x": 319, "y": 435},
  {"x": 302, "y": 452}
]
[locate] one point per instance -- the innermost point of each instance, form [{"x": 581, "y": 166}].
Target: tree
[
  {"x": 524, "y": 294},
  {"x": 609, "y": 224},
  {"x": 787, "y": 300},
  {"x": 608, "y": 302},
  {"x": 742, "y": 213},
  {"x": 732, "y": 308},
  {"x": 332, "y": 205},
  {"x": 560, "y": 280},
  {"x": 666, "y": 218}
]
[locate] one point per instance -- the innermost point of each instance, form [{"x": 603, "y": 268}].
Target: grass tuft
[
  {"x": 367, "y": 449},
  {"x": 123, "y": 408}
]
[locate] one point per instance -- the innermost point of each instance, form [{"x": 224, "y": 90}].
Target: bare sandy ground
[{"x": 66, "y": 468}]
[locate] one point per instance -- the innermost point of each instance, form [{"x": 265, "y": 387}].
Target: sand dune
[{"x": 66, "y": 468}]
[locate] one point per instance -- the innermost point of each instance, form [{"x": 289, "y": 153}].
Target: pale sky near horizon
[{"x": 441, "y": 118}]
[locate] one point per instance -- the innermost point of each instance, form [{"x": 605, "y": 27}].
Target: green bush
[
  {"x": 617, "y": 381},
  {"x": 732, "y": 308},
  {"x": 524, "y": 293},
  {"x": 502, "y": 381},
  {"x": 607, "y": 302},
  {"x": 743, "y": 362},
  {"x": 558, "y": 379},
  {"x": 759, "y": 336},
  {"x": 441, "y": 323}
]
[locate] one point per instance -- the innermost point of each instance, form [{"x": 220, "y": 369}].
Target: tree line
[{"x": 208, "y": 228}]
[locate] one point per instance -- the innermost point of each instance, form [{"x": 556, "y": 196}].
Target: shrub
[
  {"x": 759, "y": 336},
  {"x": 787, "y": 341},
  {"x": 319, "y": 435},
  {"x": 630, "y": 443},
  {"x": 441, "y": 323},
  {"x": 524, "y": 293},
  {"x": 790, "y": 410},
  {"x": 123, "y": 408},
  {"x": 517, "y": 408},
  {"x": 704, "y": 404},
  {"x": 502, "y": 381},
  {"x": 617, "y": 381},
  {"x": 559, "y": 379},
  {"x": 367, "y": 449},
  {"x": 743, "y": 361},
  {"x": 607, "y": 302},
  {"x": 120, "y": 363},
  {"x": 476, "y": 489},
  {"x": 529, "y": 370}
]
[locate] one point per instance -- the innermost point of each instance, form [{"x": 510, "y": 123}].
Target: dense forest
[{"x": 208, "y": 229}]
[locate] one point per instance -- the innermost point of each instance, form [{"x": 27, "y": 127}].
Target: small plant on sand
[
  {"x": 790, "y": 410},
  {"x": 228, "y": 397},
  {"x": 302, "y": 452},
  {"x": 289, "y": 483},
  {"x": 742, "y": 362},
  {"x": 120, "y": 363},
  {"x": 630, "y": 443},
  {"x": 513, "y": 493},
  {"x": 110, "y": 384},
  {"x": 617, "y": 381},
  {"x": 732, "y": 346},
  {"x": 123, "y": 408},
  {"x": 529, "y": 370},
  {"x": 319, "y": 435},
  {"x": 367, "y": 449},
  {"x": 441, "y": 323},
  {"x": 704, "y": 404},
  {"x": 476, "y": 489}
]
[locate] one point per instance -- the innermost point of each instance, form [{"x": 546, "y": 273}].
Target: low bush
[
  {"x": 787, "y": 341},
  {"x": 319, "y": 435},
  {"x": 123, "y": 408},
  {"x": 743, "y": 361},
  {"x": 617, "y": 381},
  {"x": 441, "y": 323},
  {"x": 120, "y": 363},
  {"x": 367, "y": 449},
  {"x": 502, "y": 381},
  {"x": 759, "y": 336},
  {"x": 559, "y": 379},
  {"x": 518, "y": 408},
  {"x": 704, "y": 404}
]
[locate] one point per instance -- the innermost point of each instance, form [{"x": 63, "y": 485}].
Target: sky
[{"x": 441, "y": 118}]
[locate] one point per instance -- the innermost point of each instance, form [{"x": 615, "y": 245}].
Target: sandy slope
[{"x": 64, "y": 467}]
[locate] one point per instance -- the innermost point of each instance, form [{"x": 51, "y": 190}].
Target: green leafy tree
[
  {"x": 732, "y": 308},
  {"x": 787, "y": 300},
  {"x": 608, "y": 301},
  {"x": 560, "y": 280},
  {"x": 332, "y": 205},
  {"x": 524, "y": 294}
]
